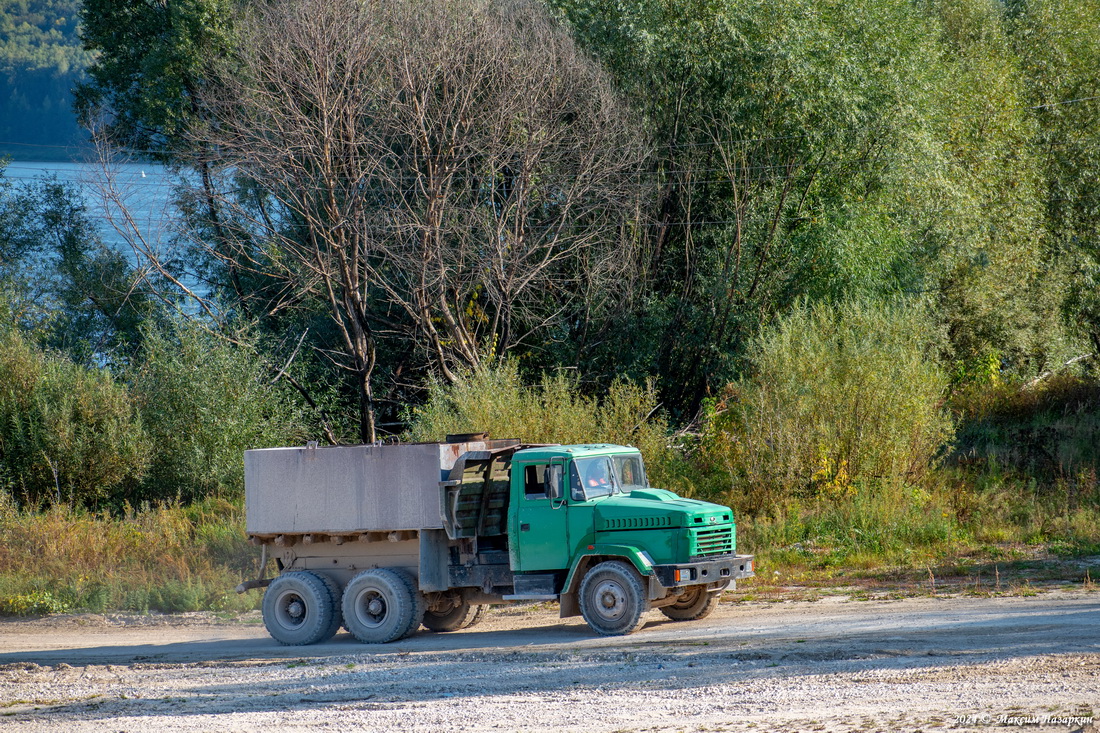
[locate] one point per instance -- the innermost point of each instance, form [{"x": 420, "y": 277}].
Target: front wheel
[
  {"x": 382, "y": 605},
  {"x": 300, "y": 608},
  {"x": 695, "y": 603},
  {"x": 612, "y": 599}
]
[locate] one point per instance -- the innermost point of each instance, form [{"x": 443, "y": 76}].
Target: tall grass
[
  {"x": 171, "y": 558},
  {"x": 1022, "y": 478},
  {"x": 899, "y": 526}
]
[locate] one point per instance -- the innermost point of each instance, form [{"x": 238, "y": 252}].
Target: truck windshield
[
  {"x": 629, "y": 472},
  {"x": 592, "y": 477},
  {"x": 604, "y": 475}
]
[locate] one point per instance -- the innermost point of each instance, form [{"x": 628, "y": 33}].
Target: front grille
[{"x": 716, "y": 541}]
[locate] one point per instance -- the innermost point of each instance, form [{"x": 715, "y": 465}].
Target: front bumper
[{"x": 714, "y": 571}]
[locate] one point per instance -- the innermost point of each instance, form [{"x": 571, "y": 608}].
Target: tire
[
  {"x": 455, "y": 618},
  {"x": 694, "y": 604},
  {"x": 612, "y": 599},
  {"x": 337, "y": 595},
  {"x": 480, "y": 612},
  {"x": 382, "y": 605},
  {"x": 299, "y": 608}
]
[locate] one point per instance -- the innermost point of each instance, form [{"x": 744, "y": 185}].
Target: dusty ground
[{"x": 834, "y": 664}]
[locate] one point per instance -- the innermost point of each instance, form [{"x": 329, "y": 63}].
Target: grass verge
[
  {"x": 964, "y": 535},
  {"x": 169, "y": 559}
]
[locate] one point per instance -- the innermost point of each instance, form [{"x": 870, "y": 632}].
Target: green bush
[
  {"x": 67, "y": 432},
  {"x": 32, "y": 603},
  {"x": 494, "y": 399},
  {"x": 840, "y": 398},
  {"x": 204, "y": 402}
]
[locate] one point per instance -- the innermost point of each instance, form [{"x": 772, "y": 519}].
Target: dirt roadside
[{"x": 962, "y": 663}]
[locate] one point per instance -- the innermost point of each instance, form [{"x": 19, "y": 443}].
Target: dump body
[
  {"x": 349, "y": 489},
  {"x": 387, "y": 537}
]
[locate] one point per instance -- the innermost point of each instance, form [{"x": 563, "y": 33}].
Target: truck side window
[
  {"x": 576, "y": 488},
  {"x": 534, "y": 481}
]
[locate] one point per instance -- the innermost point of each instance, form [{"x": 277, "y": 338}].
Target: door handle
[{"x": 525, "y": 527}]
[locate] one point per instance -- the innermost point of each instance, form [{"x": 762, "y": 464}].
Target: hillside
[{"x": 40, "y": 61}]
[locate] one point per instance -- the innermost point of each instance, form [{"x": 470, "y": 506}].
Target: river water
[{"x": 146, "y": 190}]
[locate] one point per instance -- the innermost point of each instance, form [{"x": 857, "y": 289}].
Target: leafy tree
[
  {"x": 1060, "y": 51},
  {"x": 151, "y": 61},
  {"x": 986, "y": 250},
  {"x": 74, "y": 292},
  {"x": 827, "y": 151}
]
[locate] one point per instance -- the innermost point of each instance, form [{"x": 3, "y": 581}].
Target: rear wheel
[
  {"x": 612, "y": 599},
  {"x": 695, "y": 603},
  {"x": 480, "y": 612},
  {"x": 337, "y": 596},
  {"x": 382, "y": 605},
  {"x": 299, "y": 608},
  {"x": 452, "y": 617}
]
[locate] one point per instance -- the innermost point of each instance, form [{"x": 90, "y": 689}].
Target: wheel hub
[
  {"x": 375, "y": 607},
  {"x": 611, "y": 600},
  {"x": 295, "y": 609}
]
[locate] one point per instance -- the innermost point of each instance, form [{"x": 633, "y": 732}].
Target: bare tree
[{"x": 455, "y": 172}]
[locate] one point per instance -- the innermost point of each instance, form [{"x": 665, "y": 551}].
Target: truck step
[{"x": 530, "y": 598}]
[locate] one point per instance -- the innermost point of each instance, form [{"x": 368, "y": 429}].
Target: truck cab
[{"x": 574, "y": 508}]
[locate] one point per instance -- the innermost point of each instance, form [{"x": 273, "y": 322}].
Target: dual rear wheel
[
  {"x": 377, "y": 606},
  {"x": 302, "y": 608}
]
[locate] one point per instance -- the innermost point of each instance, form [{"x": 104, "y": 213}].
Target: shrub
[
  {"x": 205, "y": 402},
  {"x": 840, "y": 397},
  {"x": 494, "y": 399},
  {"x": 33, "y": 603},
  {"x": 67, "y": 432}
]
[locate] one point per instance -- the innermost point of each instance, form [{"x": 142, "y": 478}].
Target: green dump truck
[{"x": 384, "y": 539}]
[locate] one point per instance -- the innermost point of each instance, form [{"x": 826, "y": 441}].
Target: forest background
[{"x": 831, "y": 263}]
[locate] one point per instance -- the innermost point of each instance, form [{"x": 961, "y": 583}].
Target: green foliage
[
  {"x": 32, "y": 603},
  {"x": 1049, "y": 431},
  {"x": 67, "y": 432},
  {"x": 784, "y": 132},
  {"x": 40, "y": 61},
  {"x": 842, "y": 400},
  {"x": 146, "y": 79},
  {"x": 41, "y": 34},
  {"x": 986, "y": 249},
  {"x": 1059, "y": 49},
  {"x": 831, "y": 150},
  {"x": 897, "y": 526},
  {"x": 205, "y": 402},
  {"x": 494, "y": 399}
]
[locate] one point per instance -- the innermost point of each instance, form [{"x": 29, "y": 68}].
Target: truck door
[{"x": 540, "y": 532}]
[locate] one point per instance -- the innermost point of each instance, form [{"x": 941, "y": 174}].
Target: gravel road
[{"x": 836, "y": 664}]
